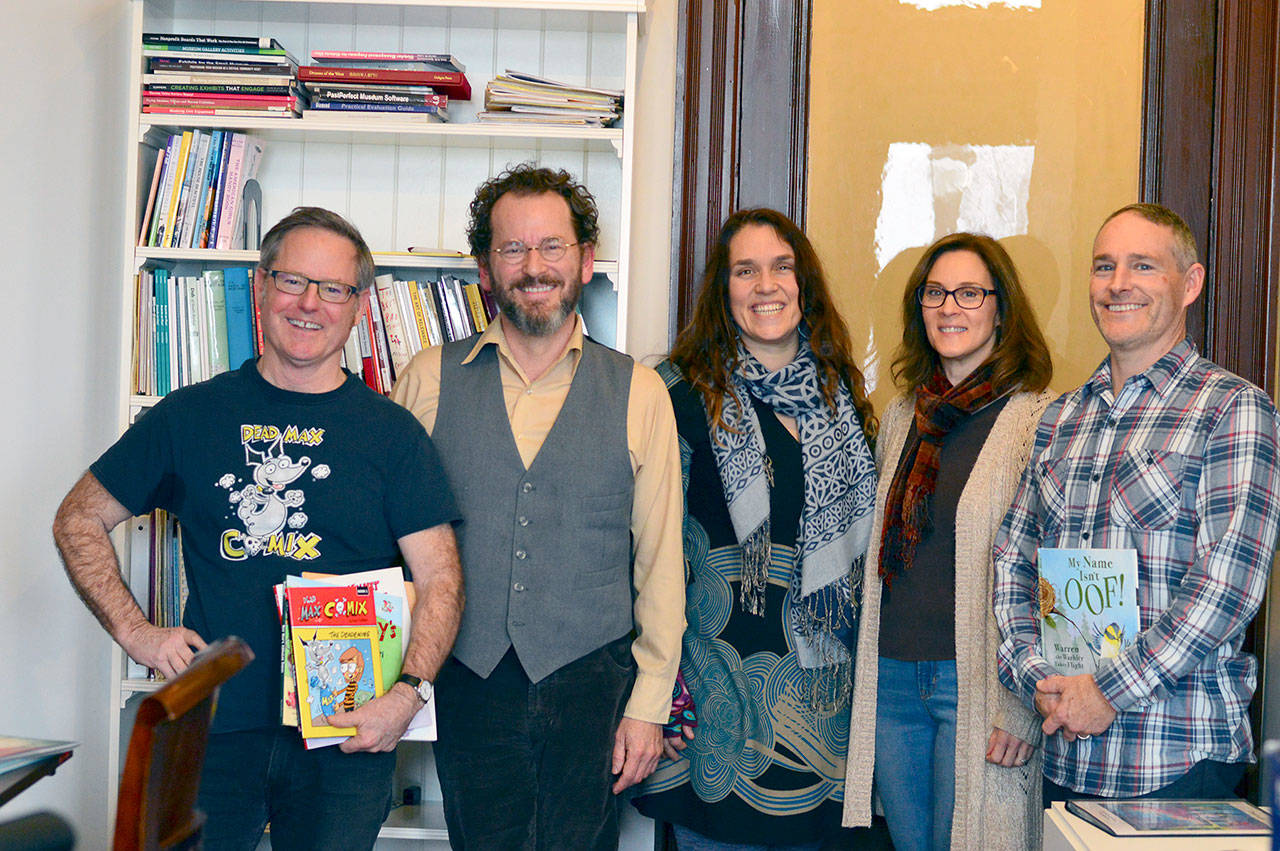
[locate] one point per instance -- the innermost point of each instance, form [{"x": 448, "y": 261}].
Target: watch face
[{"x": 424, "y": 691}]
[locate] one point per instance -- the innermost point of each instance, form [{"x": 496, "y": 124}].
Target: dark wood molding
[
  {"x": 1177, "y": 139},
  {"x": 1209, "y": 139},
  {"x": 735, "y": 151},
  {"x": 1240, "y": 318}
]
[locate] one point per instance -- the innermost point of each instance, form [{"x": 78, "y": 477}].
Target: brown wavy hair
[
  {"x": 1020, "y": 357},
  {"x": 525, "y": 179},
  {"x": 706, "y": 350}
]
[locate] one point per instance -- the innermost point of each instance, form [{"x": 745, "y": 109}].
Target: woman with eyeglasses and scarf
[
  {"x": 953, "y": 753},
  {"x": 775, "y": 435}
]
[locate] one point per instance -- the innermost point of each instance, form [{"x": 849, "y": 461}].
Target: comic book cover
[
  {"x": 334, "y": 633},
  {"x": 1088, "y": 606}
]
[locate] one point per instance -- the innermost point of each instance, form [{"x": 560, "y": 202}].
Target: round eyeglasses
[
  {"x": 970, "y": 298},
  {"x": 552, "y": 249},
  {"x": 330, "y": 291}
]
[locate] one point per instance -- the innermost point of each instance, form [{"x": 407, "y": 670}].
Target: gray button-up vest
[{"x": 546, "y": 552}]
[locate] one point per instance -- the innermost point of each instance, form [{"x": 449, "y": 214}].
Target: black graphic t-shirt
[{"x": 268, "y": 482}]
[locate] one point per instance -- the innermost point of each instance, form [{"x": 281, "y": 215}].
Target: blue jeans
[
  {"x": 689, "y": 840},
  {"x": 915, "y": 770},
  {"x": 527, "y": 765},
  {"x": 315, "y": 799}
]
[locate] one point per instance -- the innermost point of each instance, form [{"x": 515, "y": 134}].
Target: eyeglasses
[
  {"x": 970, "y": 298},
  {"x": 552, "y": 249},
  {"x": 330, "y": 291}
]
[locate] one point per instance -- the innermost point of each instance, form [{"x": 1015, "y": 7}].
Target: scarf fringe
[{"x": 756, "y": 556}]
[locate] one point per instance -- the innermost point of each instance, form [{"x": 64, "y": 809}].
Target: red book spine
[{"x": 449, "y": 83}]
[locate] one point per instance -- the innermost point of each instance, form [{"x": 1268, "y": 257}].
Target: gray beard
[{"x": 536, "y": 326}]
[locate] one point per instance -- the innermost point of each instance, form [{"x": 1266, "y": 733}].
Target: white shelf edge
[
  {"x": 382, "y": 259},
  {"x": 630, "y": 6},
  {"x": 135, "y": 685},
  {"x": 371, "y": 126}
]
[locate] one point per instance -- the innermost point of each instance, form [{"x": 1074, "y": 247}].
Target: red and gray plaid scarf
[{"x": 939, "y": 406}]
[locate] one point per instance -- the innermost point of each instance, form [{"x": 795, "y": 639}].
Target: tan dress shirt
[{"x": 656, "y": 509}]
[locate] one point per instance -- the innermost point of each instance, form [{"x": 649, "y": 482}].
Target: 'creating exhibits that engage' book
[{"x": 1088, "y": 606}]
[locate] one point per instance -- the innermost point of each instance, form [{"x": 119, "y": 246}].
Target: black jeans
[
  {"x": 528, "y": 765},
  {"x": 317, "y": 799},
  {"x": 1207, "y": 780}
]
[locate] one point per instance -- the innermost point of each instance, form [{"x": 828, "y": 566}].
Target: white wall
[{"x": 62, "y": 145}]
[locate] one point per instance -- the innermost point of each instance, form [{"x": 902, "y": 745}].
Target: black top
[
  {"x": 268, "y": 482},
  {"x": 732, "y": 819},
  {"x": 918, "y": 614}
]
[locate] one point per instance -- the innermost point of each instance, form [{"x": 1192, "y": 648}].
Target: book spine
[
  {"x": 449, "y": 82},
  {"x": 166, "y": 187},
  {"x": 248, "y": 171},
  {"x": 373, "y": 56},
  {"x": 210, "y": 191},
  {"x": 434, "y": 333},
  {"x": 161, "y": 286},
  {"x": 191, "y": 193},
  {"x": 419, "y": 314},
  {"x": 413, "y": 343},
  {"x": 392, "y": 325},
  {"x": 145, "y": 227},
  {"x": 364, "y": 324},
  {"x": 152, "y": 48},
  {"x": 175, "y": 190},
  {"x": 220, "y": 190},
  {"x": 346, "y": 106},
  {"x": 381, "y": 351},
  {"x": 231, "y": 197},
  {"x": 216, "y": 304},
  {"x": 478, "y": 319},
  {"x": 169, "y": 65},
  {"x": 239, "y": 318},
  {"x": 222, "y": 90},
  {"x": 330, "y": 95},
  {"x": 202, "y": 39}
]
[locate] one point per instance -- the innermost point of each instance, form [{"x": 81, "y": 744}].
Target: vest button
[
  {"x": 521, "y": 554},
  {"x": 523, "y": 521},
  {"x": 518, "y": 586},
  {"x": 527, "y": 487}
]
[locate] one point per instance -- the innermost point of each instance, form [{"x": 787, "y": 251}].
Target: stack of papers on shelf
[{"x": 523, "y": 98}]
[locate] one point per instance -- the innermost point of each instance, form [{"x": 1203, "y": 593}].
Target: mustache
[{"x": 546, "y": 279}]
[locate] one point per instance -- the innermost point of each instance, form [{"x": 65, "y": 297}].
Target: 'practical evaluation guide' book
[{"x": 1088, "y": 606}]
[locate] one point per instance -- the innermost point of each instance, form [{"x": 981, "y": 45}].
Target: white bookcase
[{"x": 401, "y": 186}]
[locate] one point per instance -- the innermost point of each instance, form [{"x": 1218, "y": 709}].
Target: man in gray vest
[{"x": 563, "y": 455}]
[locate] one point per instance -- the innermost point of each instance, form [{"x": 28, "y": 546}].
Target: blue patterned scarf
[{"x": 835, "y": 524}]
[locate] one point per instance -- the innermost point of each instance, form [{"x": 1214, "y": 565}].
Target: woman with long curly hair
[
  {"x": 775, "y": 435},
  {"x": 952, "y": 751}
]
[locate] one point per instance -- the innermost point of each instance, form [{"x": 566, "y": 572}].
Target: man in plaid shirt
[{"x": 1166, "y": 453}]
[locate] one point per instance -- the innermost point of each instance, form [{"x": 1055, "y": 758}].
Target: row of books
[
  {"x": 197, "y": 190},
  {"x": 342, "y": 641},
  {"x": 189, "y": 74},
  {"x": 162, "y": 591},
  {"x": 191, "y": 327},
  {"x": 520, "y": 97},
  {"x": 264, "y": 73},
  {"x": 405, "y": 317}
]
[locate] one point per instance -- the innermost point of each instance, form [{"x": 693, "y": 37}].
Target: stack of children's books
[{"x": 342, "y": 645}]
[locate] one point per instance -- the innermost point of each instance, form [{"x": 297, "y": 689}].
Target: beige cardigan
[{"x": 995, "y": 807}]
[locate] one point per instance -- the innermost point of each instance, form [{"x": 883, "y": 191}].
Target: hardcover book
[
  {"x": 1088, "y": 606},
  {"x": 1173, "y": 817}
]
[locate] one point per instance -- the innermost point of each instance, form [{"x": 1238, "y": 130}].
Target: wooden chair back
[{"x": 157, "y": 803}]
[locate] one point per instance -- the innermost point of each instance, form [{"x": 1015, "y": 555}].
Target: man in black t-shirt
[{"x": 283, "y": 465}]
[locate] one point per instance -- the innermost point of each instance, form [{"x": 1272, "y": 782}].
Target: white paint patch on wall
[
  {"x": 928, "y": 191},
  {"x": 935, "y": 5}
]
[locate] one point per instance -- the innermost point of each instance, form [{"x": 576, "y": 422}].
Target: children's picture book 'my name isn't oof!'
[{"x": 1088, "y": 606}]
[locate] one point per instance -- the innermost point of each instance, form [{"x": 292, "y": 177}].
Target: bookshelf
[{"x": 400, "y": 185}]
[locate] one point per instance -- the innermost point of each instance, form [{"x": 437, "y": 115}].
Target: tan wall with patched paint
[{"x": 1025, "y": 122}]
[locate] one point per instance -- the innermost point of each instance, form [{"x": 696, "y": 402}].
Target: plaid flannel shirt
[{"x": 1182, "y": 467}]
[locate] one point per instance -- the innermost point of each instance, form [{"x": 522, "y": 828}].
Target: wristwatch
[{"x": 419, "y": 685}]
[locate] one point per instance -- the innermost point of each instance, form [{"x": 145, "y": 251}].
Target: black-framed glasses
[
  {"x": 330, "y": 291},
  {"x": 970, "y": 298},
  {"x": 552, "y": 249}
]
